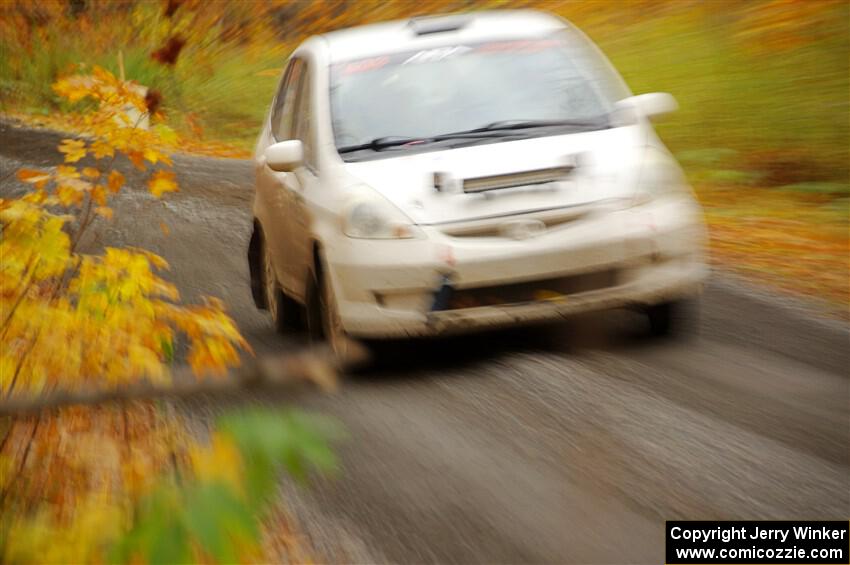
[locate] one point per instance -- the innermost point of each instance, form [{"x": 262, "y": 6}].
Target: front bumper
[{"x": 388, "y": 288}]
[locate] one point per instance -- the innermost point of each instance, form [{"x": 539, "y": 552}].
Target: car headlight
[
  {"x": 659, "y": 175},
  {"x": 374, "y": 218}
]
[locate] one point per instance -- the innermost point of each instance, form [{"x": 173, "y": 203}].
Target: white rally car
[{"x": 453, "y": 173}]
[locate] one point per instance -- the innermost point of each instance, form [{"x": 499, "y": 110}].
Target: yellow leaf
[
  {"x": 162, "y": 182},
  {"x": 165, "y": 229},
  {"x": 152, "y": 155},
  {"x": 73, "y": 88},
  {"x": 53, "y": 246},
  {"x": 74, "y": 150},
  {"x": 104, "y": 211},
  {"x": 68, "y": 195},
  {"x": 101, "y": 149},
  {"x": 220, "y": 461},
  {"x": 165, "y": 133},
  {"x": 154, "y": 259},
  {"x": 66, "y": 172},
  {"x": 91, "y": 172},
  {"x": 104, "y": 76}
]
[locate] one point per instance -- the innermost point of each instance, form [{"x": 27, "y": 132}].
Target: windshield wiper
[
  {"x": 380, "y": 143},
  {"x": 530, "y": 124},
  {"x": 500, "y": 129}
]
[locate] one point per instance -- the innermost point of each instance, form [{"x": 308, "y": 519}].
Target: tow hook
[{"x": 443, "y": 294}]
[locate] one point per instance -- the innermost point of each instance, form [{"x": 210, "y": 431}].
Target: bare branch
[{"x": 318, "y": 367}]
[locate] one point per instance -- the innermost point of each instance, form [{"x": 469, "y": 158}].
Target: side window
[
  {"x": 282, "y": 116},
  {"x": 303, "y": 120}
]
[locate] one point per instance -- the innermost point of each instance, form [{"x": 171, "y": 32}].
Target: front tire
[
  {"x": 323, "y": 321},
  {"x": 677, "y": 318},
  {"x": 284, "y": 311}
]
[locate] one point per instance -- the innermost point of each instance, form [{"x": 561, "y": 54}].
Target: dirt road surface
[{"x": 565, "y": 444}]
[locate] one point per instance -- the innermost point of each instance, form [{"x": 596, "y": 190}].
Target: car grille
[{"x": 554, "y": 289}]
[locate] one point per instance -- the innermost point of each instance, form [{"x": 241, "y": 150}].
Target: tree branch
[{"x": 318, "y": 367}]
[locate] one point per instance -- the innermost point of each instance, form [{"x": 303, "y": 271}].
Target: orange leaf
[
  {"x": 32, "y": 176},
  {"x": 116, "y": 181},
  {"x": 137, "y": 158},
  {"x": 98, "y": 194}
]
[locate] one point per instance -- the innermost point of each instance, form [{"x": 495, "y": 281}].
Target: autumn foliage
[
  {"x": 114, "y": 316},
  {"x": 129, "y": 483},
  {"x": 762, "y": 132},
  {"x": 75, "y": 319}
]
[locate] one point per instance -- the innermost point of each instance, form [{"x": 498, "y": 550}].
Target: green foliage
[
  {"x": 726, "y": 177},
  {"x": 706, "y": 157},
  {"x": 296, "y": 440},
  {"x": 220, "y": 516},
  {"x": 206, "y": 515},
  {"x": 825, "y": 188},
  {"x": 733, "y": 94}
]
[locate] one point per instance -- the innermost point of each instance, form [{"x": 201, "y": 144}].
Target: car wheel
[
  {"x": 676, "y": 318},
  {"x": 285, "y": 314},
  {"x": 323, "y": 321}
]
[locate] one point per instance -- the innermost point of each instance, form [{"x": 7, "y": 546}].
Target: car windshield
[{"x": 557, "y": 80}]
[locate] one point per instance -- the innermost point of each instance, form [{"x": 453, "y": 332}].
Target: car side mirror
[
  {"x": 648, "y": 105},
  {"x": 284, "y": 156}
]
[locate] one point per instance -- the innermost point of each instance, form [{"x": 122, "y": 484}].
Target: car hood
[{"x": 604, "y": 165}]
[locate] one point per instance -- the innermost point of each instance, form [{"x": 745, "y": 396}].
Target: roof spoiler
[{"x": 437, "y": 24}]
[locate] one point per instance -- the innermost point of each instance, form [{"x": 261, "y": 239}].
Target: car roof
[{"x": 434, "y": 31}]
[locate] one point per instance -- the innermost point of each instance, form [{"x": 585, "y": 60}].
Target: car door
[
  {"x": 302, "y": 185},
  {"x": 275, "y": 199}
]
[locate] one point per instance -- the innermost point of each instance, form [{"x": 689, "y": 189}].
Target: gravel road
[{"x": 561, "y": 444}]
